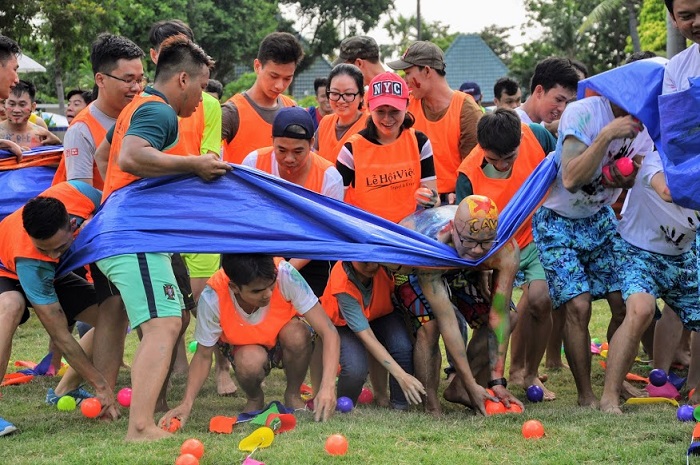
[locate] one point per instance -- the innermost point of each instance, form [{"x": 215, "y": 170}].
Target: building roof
[
  {"x": 469, "y": 58},
  {"x": 303, "y": 83}
]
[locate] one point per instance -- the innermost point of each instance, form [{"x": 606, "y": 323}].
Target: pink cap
[{"x": 388, "y": 89}]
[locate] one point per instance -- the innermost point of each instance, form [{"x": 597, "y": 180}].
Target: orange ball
[
  {"x": 533, "y": 429},
  {"x": 175, "y": 425},
  {"x": 336, "y": 444},
  {"x": 604, "y": 346},
  {"x": 514, "y": 408},
  {"x": 187, "y": 459},
  {"x": 91, "y": 407},
  {"x": 192, "y": 446},
  {"x": 493, "y": 408}
]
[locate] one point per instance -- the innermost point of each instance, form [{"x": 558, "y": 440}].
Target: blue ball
[
  {"x": 535, "y": 393},
  {"x": 658, "y": 377},
  {"x": 685, "y": 413},
  {"x": 344, "y": 404}
]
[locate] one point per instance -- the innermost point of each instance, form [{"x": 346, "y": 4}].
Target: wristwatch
[{"x": 498, "y": 382}]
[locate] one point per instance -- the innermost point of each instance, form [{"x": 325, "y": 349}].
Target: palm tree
[{"x": 607, "y": 7}]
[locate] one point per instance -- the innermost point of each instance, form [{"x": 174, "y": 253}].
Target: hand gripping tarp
[
  {"x": 21, "y": 182},
  {"x": 249, "y": 211}
]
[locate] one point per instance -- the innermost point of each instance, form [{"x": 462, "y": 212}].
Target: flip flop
[
  {"x": 12, "y": 379},
  {"x": 222, "y": 424},
  {"x": 281, "y": 423},
  {"x": 258, "y": 439},
  {"x": 651, "y": 400},
  {"x": 628, "y": 376},
  {"x": 251, "y": 461}
]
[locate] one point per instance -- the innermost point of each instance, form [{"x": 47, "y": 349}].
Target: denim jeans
[{"x": 391, "y": 332}]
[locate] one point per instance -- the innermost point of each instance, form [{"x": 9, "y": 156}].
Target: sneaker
[
  {"x": 78, "y": 394},
  {"x": 6, "y": 427}
]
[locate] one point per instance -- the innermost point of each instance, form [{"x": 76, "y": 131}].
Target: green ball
[
  {"x": 696, "y": 413},
  {"x": 192, "y": 347},
  {"x": 66, "y": 404},
  {"x": 595, "y": 341}
]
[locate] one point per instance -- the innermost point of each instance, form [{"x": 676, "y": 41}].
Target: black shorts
[
  {"x": 74, "y": 293},
  {"x": 182, "y": 277},
  {"x": 104, "y": 288}
]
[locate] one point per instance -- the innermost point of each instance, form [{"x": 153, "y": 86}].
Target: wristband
[{"x": 498, "y": 382}]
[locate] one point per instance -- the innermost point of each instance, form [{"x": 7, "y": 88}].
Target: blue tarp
[
  {"x": 18, "y": 186},
  {"x": 249, "y": 211}
]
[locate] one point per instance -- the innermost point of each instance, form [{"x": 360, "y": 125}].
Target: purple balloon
[
  {"x": 535, "y": 393},
  {"x": 344, "y": 404}
]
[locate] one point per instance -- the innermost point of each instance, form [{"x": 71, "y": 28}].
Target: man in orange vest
[
  {"x": 247, "y": 117},
  {"x": 32, "y": 240},
  {"x": 363, "y": 52},
  {"x": 291, "y": 159},
  {"x": 146, "y": 144},
  {"x": 508, "y": 152},
  {"x": 447, "y": 117},
  {"x": 252, "y": 311}
]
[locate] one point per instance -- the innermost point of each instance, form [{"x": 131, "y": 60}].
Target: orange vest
[
  {"x": 314, "y": 181},
  {"x": 116, "y": 178},
  {"x": 444, "y": 137},
  {"x": 379, "y": 305},
  {"x": 501, "y": 191},
  {"x": 328, "y": 144},
  {"x": 98, "y": 133},
  {"x": 191, "y": 130},
  {"x": 236, "y": 330},
  {"x": 16, "y": 243},
  {"x": 253, "y": 131},
  {"x": 386, "y": 176}
]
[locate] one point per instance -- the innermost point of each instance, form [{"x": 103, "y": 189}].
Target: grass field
[{"x": 644, "y": 434}]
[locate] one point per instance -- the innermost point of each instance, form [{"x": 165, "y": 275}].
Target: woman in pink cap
[{"x": 387, "y": 167}]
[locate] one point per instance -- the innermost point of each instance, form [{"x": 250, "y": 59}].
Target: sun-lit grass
[{"x": 645, "y": 434}]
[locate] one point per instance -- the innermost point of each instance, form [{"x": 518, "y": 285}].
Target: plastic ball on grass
[
  {"x": 187, "y": 459},
  {"x": 514, "y": 408},
  {"x": 91, "y": 407},
  {"x": 494, "y": 408},
  {"x": 66, "y": 404},
  {"x": 344, "y": 404},
  {"x": 696, "y": 413},
  {"x": 685, "y": 413},
  {"x": 192, "y": 446},
  {"x": 532, "y": 429},
  {"x": 175, "y": 425},
  {"x": 124, "y": 397},
  {"x": 535, "y": 393},
  {"x": 336, "y": 444},
  {"x": 366, "y": 396},
  {"x": 658, "y": 377}
]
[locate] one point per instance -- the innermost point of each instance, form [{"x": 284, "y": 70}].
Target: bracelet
[{"x": 498, "y": 382}]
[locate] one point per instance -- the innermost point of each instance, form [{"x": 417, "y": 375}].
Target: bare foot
[
  {"x": 543, "y": 377},
  {"x": 253, "y": 405},
  {"x": 458, "y": 396},
  {"x": 382, "y": 401},
  {"x": 294, "y": 401},
  {"x": 152, "y": 433},
  {"x": 628, "y": 391},
  {"x": 610, "y": 406},
  {"x": 224, "y": 384},
  {"x": 588, "y": 401},
  {"x": 556, "y": 366},
  {"x": 432, "y": 405}
]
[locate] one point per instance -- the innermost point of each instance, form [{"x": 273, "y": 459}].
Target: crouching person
[
  {"x": 358, "y": 301},
  {"x": 251, "y": 310}
]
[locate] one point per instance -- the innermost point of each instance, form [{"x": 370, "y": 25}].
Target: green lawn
[{"x": 645, "y": 434}]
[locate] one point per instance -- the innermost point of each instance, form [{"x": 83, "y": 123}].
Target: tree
[
  {"x": 652, "y": 26},
  {"x": 495, "y": 37},
  {"x": 403, "y": 31},
  {"x": 607, "y": 8},
  {"x": 16, "y": 17}
]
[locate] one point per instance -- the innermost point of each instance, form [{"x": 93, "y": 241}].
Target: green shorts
[
  {"x": 202, "y": 265},
  {"x": 147, "y": 285},
  {"x": 530, "y": 266}
]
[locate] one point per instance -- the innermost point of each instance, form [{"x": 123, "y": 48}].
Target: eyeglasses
[
  {"x": 347, "y": 96},
  {"x": 141, "y": 82},
  {"x": 471, "y": 243}
]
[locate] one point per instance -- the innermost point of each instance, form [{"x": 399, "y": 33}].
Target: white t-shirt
[
  {"x": 79, "y": 147},
  {"x": 650, "y": 223},
  {"x": 292, "y": 286},
  {"x": 524, "y": 117},
  {"x": 332, "y": 180},
  {"x": 584, "y": 120},
  {"x": 680, "y": 68}
]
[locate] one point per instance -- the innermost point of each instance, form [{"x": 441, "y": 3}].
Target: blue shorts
[
  {"x": 672, "y": 278},
  {"x": 578, "y": 254}
]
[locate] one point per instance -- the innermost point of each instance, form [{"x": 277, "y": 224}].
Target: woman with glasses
[
  {"x": 387, "y": 167},
  {"x": 345, "y": 92}
]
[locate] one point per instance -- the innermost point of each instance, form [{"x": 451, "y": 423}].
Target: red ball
[
  {"x": 174, "y": 425},
  {"x": 192, "y": 446},
  {"x": 336, "y": 444},
  {"x": 366, "y": 396},
  {"x": 187, "y": 459},
  {"x": 91, "y": 407},
  {"x": 124, "y": 397},
  {"x": 514, "y": 408},
  {"x": 625, "y": 166},
  {"x": 533, "y": 429}
]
